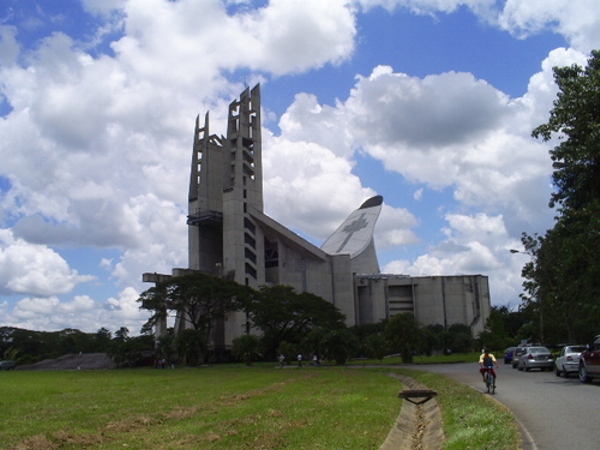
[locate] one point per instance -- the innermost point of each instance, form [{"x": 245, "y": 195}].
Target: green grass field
[{"x": 230, "y": 407}]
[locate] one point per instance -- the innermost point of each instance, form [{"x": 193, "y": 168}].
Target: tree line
[
  {"x": 288, "y": 325},
  {"x": 279, "y": 321},
  {"x": 28, "y": 346},
  {"x": 562, "y": 278}
]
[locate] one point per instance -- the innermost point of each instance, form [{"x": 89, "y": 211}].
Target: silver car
[
  {"x": 567, "y": 361},
  {"x": 536, "y": 358}
]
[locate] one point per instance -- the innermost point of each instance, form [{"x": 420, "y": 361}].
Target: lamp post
[{"x": 539, "y": 294}]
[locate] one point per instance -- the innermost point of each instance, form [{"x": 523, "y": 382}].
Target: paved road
[{"x": 558, "y": 413}]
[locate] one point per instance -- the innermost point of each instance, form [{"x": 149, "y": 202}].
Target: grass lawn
[{"x": 229, "y": 407}]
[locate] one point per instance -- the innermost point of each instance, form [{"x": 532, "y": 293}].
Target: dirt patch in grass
[
  {"x": 133, "y": 425},
  {"x": 188, "y": 442},
  {"x": 59, "y": 439},
  {"x": 67, "y": 438},
  {"x": 182, "y": 413},
  {"x": 274, "y": 413},
  {"x": 39, "y": 442},
  {"x": 238, "y": 398},
  {"x": 268, "y": 441}
]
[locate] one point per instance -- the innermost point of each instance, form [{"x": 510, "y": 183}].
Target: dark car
[
  {"x": 536, "y": 358},
  {"x": 589, "y": 362},
  {"x": 508, "y": 355},
  {"x": 7, "y": 365}
]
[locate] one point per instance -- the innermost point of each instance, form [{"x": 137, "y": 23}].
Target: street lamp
[{"x": 540, "y": 296}]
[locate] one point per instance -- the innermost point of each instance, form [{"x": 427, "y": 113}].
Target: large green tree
[
  {"x": 575, "y": 121},
  {"x": 201, "y": 300},
  {"x": 284, "y": 315},
  {"x": 564, "y": 274}
]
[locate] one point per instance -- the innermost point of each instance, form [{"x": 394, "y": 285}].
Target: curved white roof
[{"x": 356, "y": 232}]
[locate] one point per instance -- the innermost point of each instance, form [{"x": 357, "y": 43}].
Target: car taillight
[{"x": 530, "y": 356}]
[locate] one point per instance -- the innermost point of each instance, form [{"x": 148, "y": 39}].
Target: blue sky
[{"x": 429, "y": 103}]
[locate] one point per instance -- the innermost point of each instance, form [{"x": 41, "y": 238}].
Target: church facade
[{"x": 230, "y": 236}]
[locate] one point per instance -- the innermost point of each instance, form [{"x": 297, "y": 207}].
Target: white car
[{"x": 568, "y": 360}]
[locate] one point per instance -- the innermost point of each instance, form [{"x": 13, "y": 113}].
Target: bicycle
[{"x": 490, "y": 383}]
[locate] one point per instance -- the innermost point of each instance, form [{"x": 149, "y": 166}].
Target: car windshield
[
  {"x": 538, "y": 350},
  {"x": 576, "y": 349}
]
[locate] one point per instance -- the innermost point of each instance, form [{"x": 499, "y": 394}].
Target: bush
[
  {"x": 339, "y": 345},
  {"x": 245, "y": 348}
]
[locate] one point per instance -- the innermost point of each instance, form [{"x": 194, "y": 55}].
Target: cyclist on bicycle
[{"x": 487, "y": 361}]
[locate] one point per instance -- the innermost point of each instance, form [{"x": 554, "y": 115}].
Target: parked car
[
  {"x": 508, "y": 355},
  {"x": 536, "y": 358},
  {"x": 516, "y": 355},
  {"x": 567, "y": 361},
  {"x": 7, "y": 365},
  {"x": 589, "y": 362}
]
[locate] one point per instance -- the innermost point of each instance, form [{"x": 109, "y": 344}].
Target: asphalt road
[{"x": 557, "y": 413}]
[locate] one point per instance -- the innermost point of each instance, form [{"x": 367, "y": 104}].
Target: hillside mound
[{"x": 80, "y": 361}]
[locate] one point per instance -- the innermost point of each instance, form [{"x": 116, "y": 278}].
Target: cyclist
[{"x": 487, "y": 360}]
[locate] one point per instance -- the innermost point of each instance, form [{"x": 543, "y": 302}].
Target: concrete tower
[
  {"x": 225, "y": 179},
  {"x": 225, "y": 184}
]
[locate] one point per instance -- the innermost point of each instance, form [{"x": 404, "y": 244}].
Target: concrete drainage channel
[{"x": 419, "y": 424}]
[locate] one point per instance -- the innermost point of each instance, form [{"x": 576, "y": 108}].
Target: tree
[
  {"x": 564, "y": 268},
  {"x": 122, "y": 334},
  {"x": 192, "y": 346},
  {"x": 339, "y": 345},
  {"x": 199, "y": 299},
  {"x": 245, "y": 348},
  {"x": 284, "y": 315},
  {"x": 533, "y": 282},
  {"x": 364, "y": 332},
  {"x": 312, "y": 342},
  {"x": 128, "y": 351},
  {"x": 561, "y": 277},
  {"x": 575, "y": 117},
  {"x": 31, "y": 344},
  {"x": 102, "y": 337},
  {"x": 431, "y": 341},
  {"x": 462, "y": 338},
  {"x": 495, "y": 336},
  {"x": 403, "y": 335},
  {"x": 165, "y": 346},
  {"x": 375, "y": 346}
]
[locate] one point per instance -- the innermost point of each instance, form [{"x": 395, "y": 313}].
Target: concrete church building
[{"x": 230, "y": 236}]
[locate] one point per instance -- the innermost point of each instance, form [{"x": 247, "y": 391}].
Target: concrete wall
[{"x": 444, "y": 300}]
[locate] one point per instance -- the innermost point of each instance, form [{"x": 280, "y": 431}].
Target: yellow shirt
[{"x": 489, "y": 355}]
